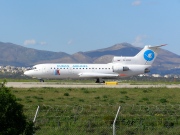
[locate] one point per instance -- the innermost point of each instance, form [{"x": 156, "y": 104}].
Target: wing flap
[{"x": 97, "y": 75}]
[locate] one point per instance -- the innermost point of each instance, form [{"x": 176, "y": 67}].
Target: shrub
[
  {"x": 145, "y": 99},
  {"x": 81, "y": 100},
  {"x": 123, "y": 92},
  {"x": 66, "y": 94},
  {"x": 97, "y": 97},
  {"x": 163, "y": 100},
  {"x": 105, "y": 96},
  {"x": 86, "y": 91},
  {"x": 19, "y": 99},
  {"x": 12, "y": 119},
  {"x": 121, "y": 101},
  {"x": 127, "y": 98}
]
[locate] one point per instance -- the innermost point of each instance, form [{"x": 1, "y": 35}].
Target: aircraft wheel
[
  {"x": 99, "y": 80},
  {"x": 41, "y": 80}
]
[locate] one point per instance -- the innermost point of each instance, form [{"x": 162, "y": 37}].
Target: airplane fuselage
[
  {"x": 120, "y": 67},
  {"x": 111, "y": 70}
]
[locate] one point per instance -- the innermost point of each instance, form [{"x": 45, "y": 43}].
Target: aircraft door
[
  {"x": 44, "y": 69},
  {"x": 71, "y": 71},
  {"x": 93, "y": 69}
]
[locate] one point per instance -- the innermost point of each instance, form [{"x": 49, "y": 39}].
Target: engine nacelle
[{"x": 119, "y": 68}]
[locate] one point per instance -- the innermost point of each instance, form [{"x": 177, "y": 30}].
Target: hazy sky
[{"x": 83, "y": 25}]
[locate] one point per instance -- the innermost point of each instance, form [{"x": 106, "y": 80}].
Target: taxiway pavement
[{"x": 82, "y": 85}]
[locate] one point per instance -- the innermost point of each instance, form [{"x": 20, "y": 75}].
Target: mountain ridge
[{"x": 16, "y": 55}]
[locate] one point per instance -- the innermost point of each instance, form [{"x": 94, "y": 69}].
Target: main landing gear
[
  {"x": 41, "y": 80},
  {"x": 99, "y": 80}
]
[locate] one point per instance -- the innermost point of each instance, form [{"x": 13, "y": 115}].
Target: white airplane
[{"x": 120, "y": 67}]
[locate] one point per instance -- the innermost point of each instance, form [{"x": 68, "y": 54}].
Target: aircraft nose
[{"x": 27, "y": 73}]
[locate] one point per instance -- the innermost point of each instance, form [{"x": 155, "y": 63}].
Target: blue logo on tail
[{"x": 149, "y": 55}]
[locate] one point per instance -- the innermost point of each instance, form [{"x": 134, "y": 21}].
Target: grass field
[{"x": 92, "y": 110}]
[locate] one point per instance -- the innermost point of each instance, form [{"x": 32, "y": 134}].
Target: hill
[{"x": 16, "y": 55}]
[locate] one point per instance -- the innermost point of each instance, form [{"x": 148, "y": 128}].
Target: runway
[{"x": 82, "y": 85}]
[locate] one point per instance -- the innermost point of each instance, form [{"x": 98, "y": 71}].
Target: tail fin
[{"x": 147, "y": 55}]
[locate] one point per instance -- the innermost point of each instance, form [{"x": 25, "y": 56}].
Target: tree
[{"x": 12, "y": 119}]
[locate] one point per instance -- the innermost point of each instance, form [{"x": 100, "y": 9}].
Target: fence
[{"x": 98, "y": 119}]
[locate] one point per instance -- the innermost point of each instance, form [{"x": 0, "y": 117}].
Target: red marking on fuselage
[
  {"x": 122, "y": 75},
  {"x": 58, "y": 72}
]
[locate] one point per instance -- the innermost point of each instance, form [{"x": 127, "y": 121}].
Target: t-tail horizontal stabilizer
[
  {"x": 145, "y": 57},
  {"x": 157, "y": 46}
]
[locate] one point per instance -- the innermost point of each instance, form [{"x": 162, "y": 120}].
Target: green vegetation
[
  {"x": 12, "y": 119},
  {"x": 92, "y": 110}
]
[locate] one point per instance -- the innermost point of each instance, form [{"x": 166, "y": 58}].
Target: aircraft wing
[{"x": 97, "y": 75}]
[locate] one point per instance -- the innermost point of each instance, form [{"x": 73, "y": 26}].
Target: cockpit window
[
  {"x": 31, "y": 68},
  {"x": 34, "y": 68}
]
